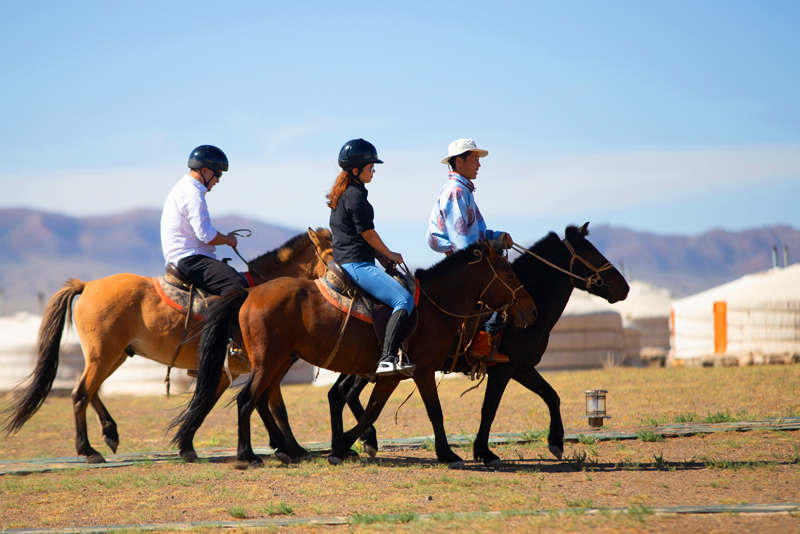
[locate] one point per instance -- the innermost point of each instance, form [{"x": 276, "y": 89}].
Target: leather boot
[{"x": 390, "y": 364}]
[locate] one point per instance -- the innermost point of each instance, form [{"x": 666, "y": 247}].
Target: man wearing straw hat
[{"x": 456, "y": 222}]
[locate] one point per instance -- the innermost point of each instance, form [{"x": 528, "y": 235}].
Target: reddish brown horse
[
  {"x": 290, "y": 317},
  {"x": 122, "y": 315}
]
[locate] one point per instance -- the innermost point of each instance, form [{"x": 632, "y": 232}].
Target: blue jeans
[{"x": 380, "y": 285}]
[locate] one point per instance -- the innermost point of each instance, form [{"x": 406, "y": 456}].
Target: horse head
[
  {"x": 587, "y": 263},
  {"x": 504, "y": 291},
  {"x": 322, "y": 241}
]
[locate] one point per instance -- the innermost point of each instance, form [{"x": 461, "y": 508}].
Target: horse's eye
[{"x": 510, "y": 276}]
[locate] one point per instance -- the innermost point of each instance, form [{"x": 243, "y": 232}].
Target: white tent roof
[
  {"x": 781, "y": 284},
  {"x": 763, "y": 313},
  {"x": 645, "y": 301}
]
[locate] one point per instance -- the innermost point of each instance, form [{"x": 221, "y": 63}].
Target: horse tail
[
  {"x": 222, "y": 324},
  {"x": 57, "y": 314}
]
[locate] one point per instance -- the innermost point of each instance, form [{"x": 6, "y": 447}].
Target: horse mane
[
  {"x": 275, "y": 259},
  {"x": 441, "y": 268}
]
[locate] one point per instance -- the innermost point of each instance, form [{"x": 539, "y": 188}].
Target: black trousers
[{"x": 212, "y": 275}]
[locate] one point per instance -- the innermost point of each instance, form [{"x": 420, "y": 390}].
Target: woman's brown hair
[{"x": 344, "y": 179}]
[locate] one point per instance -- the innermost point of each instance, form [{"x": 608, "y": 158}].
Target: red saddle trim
[
  {"x": 323, "y": 288},
  {"x": 173, "y": 304},
  {"x": 249, "y": 279}
]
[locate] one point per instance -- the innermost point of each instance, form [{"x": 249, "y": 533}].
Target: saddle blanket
[
  {"x": 364, "y": 303},
  {"x": 179, "y": 298}
]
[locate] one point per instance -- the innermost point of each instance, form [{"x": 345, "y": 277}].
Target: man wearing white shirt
[{"x": 188, "y": 239}]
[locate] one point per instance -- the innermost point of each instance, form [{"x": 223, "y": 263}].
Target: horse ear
[
  {"x": 315, "y": 240},
  {"x": 585, "y": 229}
]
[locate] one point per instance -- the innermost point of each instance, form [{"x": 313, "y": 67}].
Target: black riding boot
[{"x": 390, "y": 363}]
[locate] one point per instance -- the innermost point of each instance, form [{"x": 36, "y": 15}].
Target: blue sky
[{"x": 668, "y": 117}]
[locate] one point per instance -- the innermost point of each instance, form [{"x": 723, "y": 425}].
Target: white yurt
[
  {"x": 588, "y": 335},
  {"x": 645, "y": 313},
  {"x": 754, "y": 319}
]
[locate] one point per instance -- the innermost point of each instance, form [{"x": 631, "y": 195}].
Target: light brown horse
[
  {"x": 290, "y": 317},
  {"x": 122, "y": 315}
]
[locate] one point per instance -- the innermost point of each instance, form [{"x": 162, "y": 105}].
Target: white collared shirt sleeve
[{"x": 186, "y": 226}]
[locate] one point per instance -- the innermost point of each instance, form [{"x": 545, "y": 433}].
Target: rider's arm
[
  {"x": 222, "y": 239},
  {"x": 375, "y": 241}
]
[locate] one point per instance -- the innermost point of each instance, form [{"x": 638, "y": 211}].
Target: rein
[
  {"x": 595, "y": 279},
  {"x": 479, "y": 254}
]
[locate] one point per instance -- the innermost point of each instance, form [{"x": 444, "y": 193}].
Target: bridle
[{"x": 594, "y": 279}]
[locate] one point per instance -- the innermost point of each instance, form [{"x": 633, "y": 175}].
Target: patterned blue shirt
[{"x": 456, "y": 222}]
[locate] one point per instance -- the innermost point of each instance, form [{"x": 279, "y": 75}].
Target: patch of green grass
[
  {"x": 660, "y": 462},
  {"x": 586, "y": 440},
  {"x": 712, "y": 463},
  {"x": 578, "y": 503},
  {"x": 535, "y": 436},
  {"x": 648, "y": 435},
  {"x": 278, "y": 509},
  {"x": 654, "y": 421},
  {"x": 368, "y": 519},
  {"x": 238, "y": 512},
  {"x": 688, "y": 417},
  {"x": 639, "y": 512},
  {"x": 719, "y": 417}
]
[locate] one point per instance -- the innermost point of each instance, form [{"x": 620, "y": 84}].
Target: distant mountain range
[{"x": 41, "y": 250}]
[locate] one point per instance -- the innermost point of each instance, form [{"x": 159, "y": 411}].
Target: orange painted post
[{"x": 720, "y": 327}]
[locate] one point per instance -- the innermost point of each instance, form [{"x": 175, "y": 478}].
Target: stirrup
[{"x": 394, "y": 365}]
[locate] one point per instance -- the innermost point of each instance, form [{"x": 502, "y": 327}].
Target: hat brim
[{"x": 481, "y": 154}]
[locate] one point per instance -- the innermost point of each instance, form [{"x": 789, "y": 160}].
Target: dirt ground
[{"x": 728, "y": 468}]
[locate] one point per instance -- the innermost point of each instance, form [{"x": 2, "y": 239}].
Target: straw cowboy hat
[{"x": 459, "y": 146}]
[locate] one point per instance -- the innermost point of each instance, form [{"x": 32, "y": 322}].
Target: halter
[{"x": 595, "y": 278}]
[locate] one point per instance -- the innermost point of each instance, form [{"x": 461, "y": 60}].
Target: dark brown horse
[
  {"x": 549, "y": 270},
  {"x": 290, "y": 317},
  {"x": 122, "y": 315}
]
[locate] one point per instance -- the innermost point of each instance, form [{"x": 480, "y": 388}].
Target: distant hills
[{"x": 41, "y": 250}]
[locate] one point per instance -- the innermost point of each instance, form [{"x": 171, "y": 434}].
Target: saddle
[
  {"x": 176, "y": 291},
  {"x": 340, "y": 291}
]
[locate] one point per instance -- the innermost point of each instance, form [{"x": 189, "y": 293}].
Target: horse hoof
[
  {"x": 283, "y": 457},
  {"x": 189, "y": 456},
  {"x": 494, "y": 464},
  {"x": 112, "y": 444},
  {"x": 257, "y": 463},
  {"x": 459, "y": 464},
  {"x": 370, "y": 450},
  {"x": 334, "y": 460},
  {"x": 95, "y": 458},
  {"x": 352, "y": 457},
  {"x": 558, "y": 452}
]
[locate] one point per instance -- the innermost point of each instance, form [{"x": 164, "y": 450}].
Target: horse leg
[
  {"x": 532, "y": 380},
  {"x": 351, "y": 395},
  {"x": 341, "y": 446},
  {"x": 93, "y": 376},
  {"x": 347, "y": 390},
  {"x": 276, "y": 419},
  {"x": 107, "y": 423},
  {"x": 186, "y": 446},
  {"x": 495, "y": 387},
  {"x": 337, "y": 402},
  {"x": 426, "y": 383},
  {"x": 247, "y": 401}
]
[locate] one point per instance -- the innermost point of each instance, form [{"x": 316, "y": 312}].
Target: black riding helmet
[
  {"x": 210, "y": 157},
  {"x": 357, "y": 153}
]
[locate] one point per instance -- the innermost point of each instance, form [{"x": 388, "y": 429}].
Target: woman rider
[{"x": 355, "y": 244}]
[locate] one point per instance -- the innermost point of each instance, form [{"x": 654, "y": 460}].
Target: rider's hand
[
  {"x": 395, "y": 257},
  {"x": 232, "y": 241}
]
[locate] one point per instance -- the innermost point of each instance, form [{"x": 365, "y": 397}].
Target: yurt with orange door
[{"x": 754, "y": 319}]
